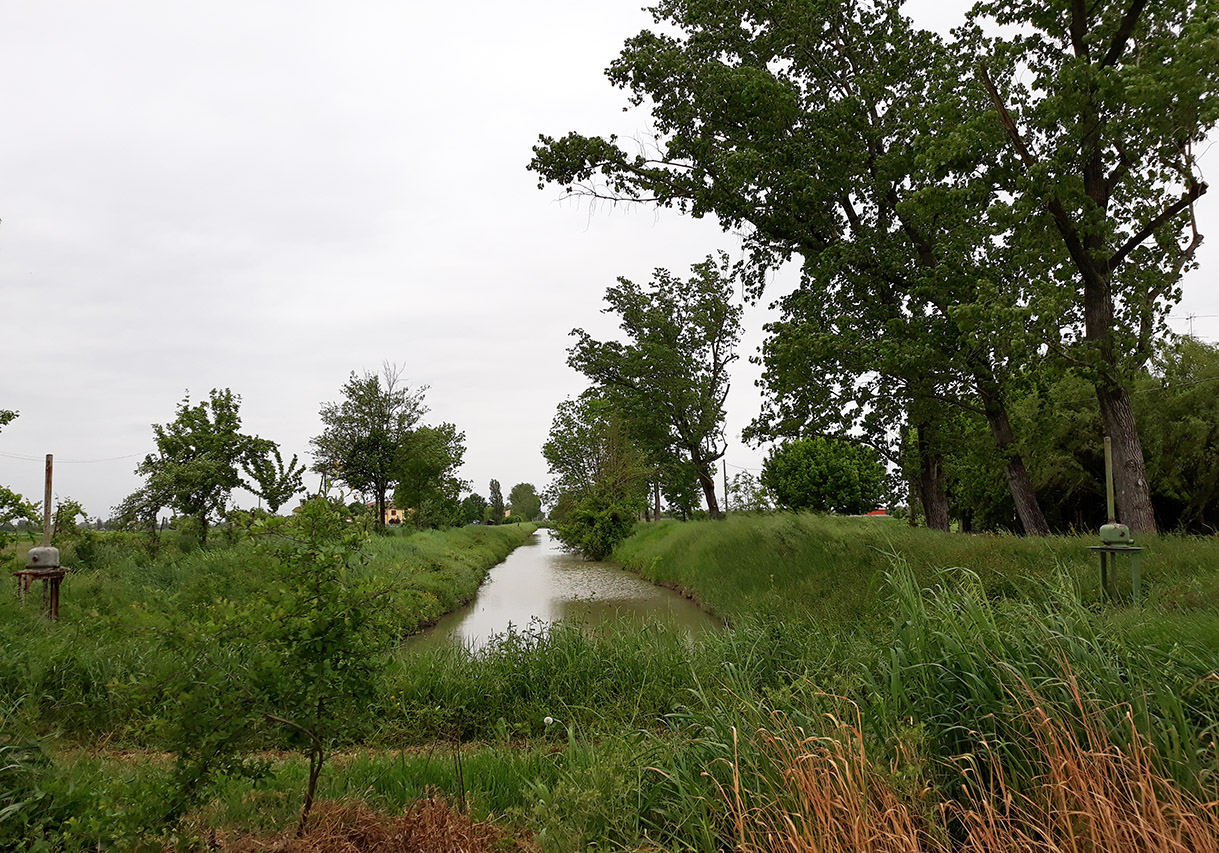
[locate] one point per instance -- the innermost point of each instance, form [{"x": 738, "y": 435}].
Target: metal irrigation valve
[{"x": 42, "y": 557}]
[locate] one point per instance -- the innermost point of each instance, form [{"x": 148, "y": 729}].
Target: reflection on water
[{"x": 540, "y": 581}]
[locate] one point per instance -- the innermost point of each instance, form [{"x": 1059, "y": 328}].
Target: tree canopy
[
  {"x": 427, "y": 482},
  {"x": 199, "y": 461},
  {"x": 523, "y": 501},
  {"x": 364, "y": 432},
  {"x": 495, "y": 503},
  {"x": 273, "y": 481},
  {"x": 599, "y": 476},
  {"x": 669, "y": 379}
]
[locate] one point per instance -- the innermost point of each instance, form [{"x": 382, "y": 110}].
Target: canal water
[{"x": 540, "y": 584}]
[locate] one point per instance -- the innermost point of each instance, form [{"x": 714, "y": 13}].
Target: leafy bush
[
  {"x": 595, "y": 524},
  {"x": 825, "y": 474}
]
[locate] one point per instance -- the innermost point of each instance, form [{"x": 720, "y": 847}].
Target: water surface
[{"x": 540, "y": 584}]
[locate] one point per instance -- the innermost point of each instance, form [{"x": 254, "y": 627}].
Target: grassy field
[
  {"x": 876, "y": 679},
  {"x": 93, "y": 676}
]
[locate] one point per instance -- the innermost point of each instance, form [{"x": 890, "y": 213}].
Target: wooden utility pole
[{"x": 46, "y": 502}]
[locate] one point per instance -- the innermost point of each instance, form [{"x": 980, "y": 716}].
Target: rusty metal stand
[{"x": 51, "y": 579}]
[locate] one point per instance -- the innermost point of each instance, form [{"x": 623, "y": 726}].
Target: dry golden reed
[{"x": 1092, "y": 796}]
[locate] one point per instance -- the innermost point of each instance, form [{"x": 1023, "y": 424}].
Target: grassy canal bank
[
  {"x": 879, "y": 683},
  {"x": 92, "y": 675}
]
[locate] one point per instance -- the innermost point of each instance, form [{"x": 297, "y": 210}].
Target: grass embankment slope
[
  {"x": 829, "y": 568},
  {"x": 950, "y": 691},
  {"x": 93, "y": 675}
]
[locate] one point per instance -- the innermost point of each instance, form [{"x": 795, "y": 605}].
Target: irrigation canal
[{"x": 540, "y": 584}]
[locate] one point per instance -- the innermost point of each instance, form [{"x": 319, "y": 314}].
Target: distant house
[
  {"x": 880, "y": 511},
  {"x": 393, "y": 515}
]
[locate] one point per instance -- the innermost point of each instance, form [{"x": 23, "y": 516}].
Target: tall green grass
[
  {"x": 94, "y": 676},
  {"x": 926, "y": 648},
  {"x": 804, "y": 566}
]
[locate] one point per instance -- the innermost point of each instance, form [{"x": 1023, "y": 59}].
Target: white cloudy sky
[{"x": 269, "y": 195}]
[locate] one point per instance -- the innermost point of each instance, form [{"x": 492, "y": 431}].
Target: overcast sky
[{"x": 267, "y": 196}]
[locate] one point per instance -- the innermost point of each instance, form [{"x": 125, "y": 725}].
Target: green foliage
[
  {"x": 473, "y": 508},
  {"x": 600, "y": 477},
  {"x": 63, "y": 520},
  {"x": 199, "y": 459},
  {"x": 43, "y": 808},
  {"x": 524, "y": 502},
  {"x": 302, "y": 655},
  {"x": 274, "y": 482},
  {"x": 824, "y": 474},
  {"x": 14, "y": 509},
  {"x": 428, "y": 460},
  {"x": 495, "y": 504},
  {"x": 595, "y": 523},
  {"x": 588, "y": 448},
  {"x": 963, "y": 209},
  {"x": 364, "y": 433},
  {"x": 865, "y": 619},
  {"x": 1177, "y": 406},
  {"x": 746, "y": 493},
  {"x": 670, "y": 379}
]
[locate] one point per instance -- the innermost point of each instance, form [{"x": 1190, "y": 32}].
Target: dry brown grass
[
  {"x": 1093, "y": 797},
  {"x": 430, "y": 825}
]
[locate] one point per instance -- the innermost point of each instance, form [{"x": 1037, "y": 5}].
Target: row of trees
[
  {"x": 372, "y": 443},
  {"x": 971, "y": 214}
]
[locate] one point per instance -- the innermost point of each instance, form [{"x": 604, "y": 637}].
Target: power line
[
  {"x": 1151, "y": 390},
  {"x": 1189, "y": 318},
  {"x": 21, "y": 457}
]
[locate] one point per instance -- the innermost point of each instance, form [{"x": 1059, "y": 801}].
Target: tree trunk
[
  {"x": 1018, "y": 481},
  {"x": 316, "y": 756},
  {"x": 656, "y": 496},
  {"x": 1132, "y": 492},
  {"x": 379, "y": 521},
  {"x": 932, "y": 489},
  {"x": 202, "y": 529},
  {"x": 707, "y": 481}
]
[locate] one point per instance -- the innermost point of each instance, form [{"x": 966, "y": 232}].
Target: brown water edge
[{"x": 540, "y": 584}]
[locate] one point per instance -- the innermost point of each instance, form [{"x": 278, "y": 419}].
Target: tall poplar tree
[
  {"x": 814, "y": 127},
  {"x": 1102, "y": 107}
]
